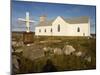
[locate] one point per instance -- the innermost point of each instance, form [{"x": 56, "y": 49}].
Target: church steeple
[{"x": 43, "y": 18}]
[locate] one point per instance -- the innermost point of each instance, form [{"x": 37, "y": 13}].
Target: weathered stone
[
  {"x": 17, "y": 44},
  {"x": 58, "y": 51},
  {"x": 12, "y": 50},
  {"x": 15, "y": 63},
  {"x": 88, "y": 58},
  {"x": 48, "y": 50},
  {"x": 78, "y": 53},
  {"x": 19, "y": 50},
  {"x": 14, "y": 43},
  {"x": 45, "y": 49},
  {"x": 33, "y": 52},
  {"x": 68, "y": 49}
]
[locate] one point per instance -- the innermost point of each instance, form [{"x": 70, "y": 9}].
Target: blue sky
[{"x": 51, "y": 10}]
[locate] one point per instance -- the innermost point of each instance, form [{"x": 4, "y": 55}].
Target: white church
[{"x": 78, "y": 26}]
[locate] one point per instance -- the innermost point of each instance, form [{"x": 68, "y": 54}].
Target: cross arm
[
  {"x": 24, "y": 20},
  {"x": 21, "y": 19},
  {"x": 31, "y": 21}
]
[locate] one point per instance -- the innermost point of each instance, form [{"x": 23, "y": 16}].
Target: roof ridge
[{"x": 78, "y": 17}]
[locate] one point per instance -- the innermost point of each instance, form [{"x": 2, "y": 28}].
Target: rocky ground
[{"x": 50, "y": 54}]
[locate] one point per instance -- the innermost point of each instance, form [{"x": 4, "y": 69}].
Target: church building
[{"x": 77, "y": 26}]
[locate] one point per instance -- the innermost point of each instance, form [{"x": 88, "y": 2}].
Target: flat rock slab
[
  {"x": 33, "y": 52},
  {"x": 52, "y": 41}
]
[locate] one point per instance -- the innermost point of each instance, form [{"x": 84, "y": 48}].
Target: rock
[
  {"x": 19, "y": 50},
  {"x": 88, "y": 58},
  {"x": 33, "y": 52},
  {"x": 17, "y": 44},
  {"x": 58, "y": 51},
  {"x": 12, "y": 49},
  {"x": 48, "y": 50},
  {"x": 45, "y": 49},
  {"x": 78, "y": 53},
  {"x": 15, "y": 63},
  {"x": 68, "y": 49},
  {"x": 14, "y": 43}
]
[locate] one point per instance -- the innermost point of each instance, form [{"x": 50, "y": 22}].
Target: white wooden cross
[{"x": 27, "y": 21}]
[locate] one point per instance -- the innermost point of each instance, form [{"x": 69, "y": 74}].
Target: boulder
[
  {"x": 78, "y": 53},
  {"x": 45, "y": 49},
  {"x": 33, "y": 52},
  {"x": 15, "y": 63},
  {"x": 19, "y": 50},
  {"x": 68, "y": 49},
  {"x": 58, "y": 51},
  {"x": 17, "y": 44},
  {"x": 88, "y": 58}
]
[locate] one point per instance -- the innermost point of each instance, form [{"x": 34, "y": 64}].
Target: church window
[
  {"x": 59, "y": 28},
  {"x": 45, "y": 30},
  {"x": 51, "y": 29},
  {"x": 39, "y": 30},
  {"x": 83, "y": 34},
  {"x": 78, "y": 29}
]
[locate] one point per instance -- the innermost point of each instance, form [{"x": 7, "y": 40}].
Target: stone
[
  {"x": 33, "y": 52},
  {"x": 28, "y": 37},
  {"x": 58, "y": 51},
  {"x": 19, "y": 50},
  {"x": 15, "y": 63},
  {"x": 46, "y": 48},
  {"x": 78, "y": 53},
  {"x": 88, "y": 58},
  {"x": 14, "y": 43},
  {"x": 17, "y": 44},
  {"x": 47, "y": 51},
  {"x": 12, "y": 49},
  {"x": 68, "y": 49}
]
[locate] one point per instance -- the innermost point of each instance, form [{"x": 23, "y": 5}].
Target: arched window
[
  {"x": 59, "y": 28},
  {"x": 51, "y": 29},
  {"x": 83, "y": 34},
  {"x": 78, "y": 29},
  {"x": 45, "y": 30},
  {"x": 39, "y": 30}
]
